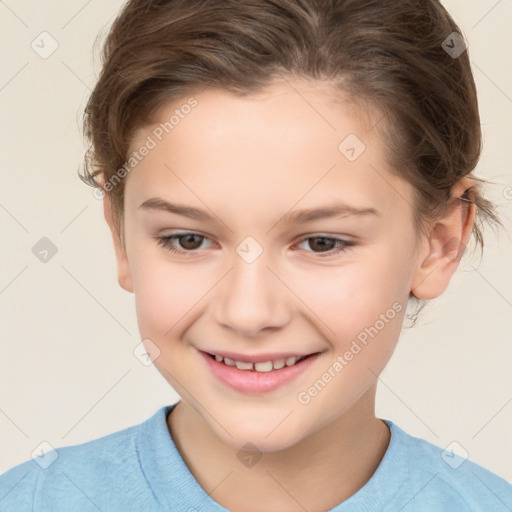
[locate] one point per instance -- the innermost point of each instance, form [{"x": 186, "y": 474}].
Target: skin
[{"x": 248, "y": 161}]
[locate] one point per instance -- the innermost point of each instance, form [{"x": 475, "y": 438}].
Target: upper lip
[{"x": 259, "y": 358}]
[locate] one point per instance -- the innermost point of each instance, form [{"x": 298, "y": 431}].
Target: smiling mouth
[{"x": 265, "y": 366}]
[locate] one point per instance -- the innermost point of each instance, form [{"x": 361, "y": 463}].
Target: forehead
[
  {"x": 307, "y": 106},
  {"x": 292, "y": 143}
]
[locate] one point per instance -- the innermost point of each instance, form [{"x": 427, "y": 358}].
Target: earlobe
[
  {"x": 446, "y": 245},
  {"x": 123, "y": 266}
]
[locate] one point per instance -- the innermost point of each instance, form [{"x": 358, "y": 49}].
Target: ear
[
  {"x": 446, "y": 244},
  {"x": 123, "y": 267}
]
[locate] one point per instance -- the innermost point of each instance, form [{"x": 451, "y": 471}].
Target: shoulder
[
  {"x": 440, "y": 479},
  {"x": 79, "y": 477},
  {"x": 17, "y": 487}
]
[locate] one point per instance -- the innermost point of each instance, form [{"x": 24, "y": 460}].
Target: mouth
[
  {"x": 262, "y": 374},
  {"x": 271, "y": 364}
]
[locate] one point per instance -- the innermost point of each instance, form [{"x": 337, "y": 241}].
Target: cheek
[
  {"x": 165, "y": 293},
  {"x": 354, "y": 295},
  {"x": 359, "y": 307}
]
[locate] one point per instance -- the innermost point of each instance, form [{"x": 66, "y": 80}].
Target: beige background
[{"x": 67, "y": 371}]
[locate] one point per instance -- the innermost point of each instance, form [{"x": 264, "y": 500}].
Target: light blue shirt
[{"x": 140, "y": 469}]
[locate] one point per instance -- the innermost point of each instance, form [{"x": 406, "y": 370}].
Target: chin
[
  {"x": 258, "y": 444},
  {"x": 263, "y": 437}
]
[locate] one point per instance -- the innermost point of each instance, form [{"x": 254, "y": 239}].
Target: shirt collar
[{"x": 175, "y": 488}]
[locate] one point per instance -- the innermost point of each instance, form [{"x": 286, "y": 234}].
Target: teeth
[
  {"x": 266, "y": 366},
  {"x": 244, "y": 366},
  {"x": 279, "y": 364},
  {"x": 263, "y": 367}
]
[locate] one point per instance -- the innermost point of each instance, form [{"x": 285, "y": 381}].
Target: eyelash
[{"x": 166, "y": 242}]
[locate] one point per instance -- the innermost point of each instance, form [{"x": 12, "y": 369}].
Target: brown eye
[
  {"x": 190, "y": 241},
  {"x": 325, "y": 247},
  {"x": 187, "y": 242},
  {"x": 322, "y": 243}
]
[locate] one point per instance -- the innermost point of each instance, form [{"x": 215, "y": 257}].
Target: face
[{"x": 251, "y": 281}]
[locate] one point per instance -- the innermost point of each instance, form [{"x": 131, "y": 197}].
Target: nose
[{"x": 253, "y": 298}]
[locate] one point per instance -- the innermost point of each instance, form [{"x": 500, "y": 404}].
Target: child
[{"x": 259, "y": 127}]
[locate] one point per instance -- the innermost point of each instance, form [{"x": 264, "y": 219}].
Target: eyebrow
[{"x": 337, "y": 209}]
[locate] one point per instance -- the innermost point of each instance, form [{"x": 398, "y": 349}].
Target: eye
[
  {"x": 190, "y": 243},
  {"x": 332, "y": 246}
]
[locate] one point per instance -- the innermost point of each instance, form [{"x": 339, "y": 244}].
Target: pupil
[
  {"x": 323, "y": 244},
  {"x": 187, "y": 238}
]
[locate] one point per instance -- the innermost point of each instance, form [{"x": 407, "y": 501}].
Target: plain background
[{"x": 67, "y": 370}]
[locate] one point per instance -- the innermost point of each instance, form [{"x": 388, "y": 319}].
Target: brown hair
[{"x": 387, "y": 55}]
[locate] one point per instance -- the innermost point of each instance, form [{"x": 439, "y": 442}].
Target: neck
[{"x": 317, "y": 473}]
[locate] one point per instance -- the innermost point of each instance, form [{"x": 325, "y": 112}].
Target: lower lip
[{"x": 253, "y": 382}]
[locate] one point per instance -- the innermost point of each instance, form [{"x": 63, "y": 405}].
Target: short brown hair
[{"x": 388, "y": 55}]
